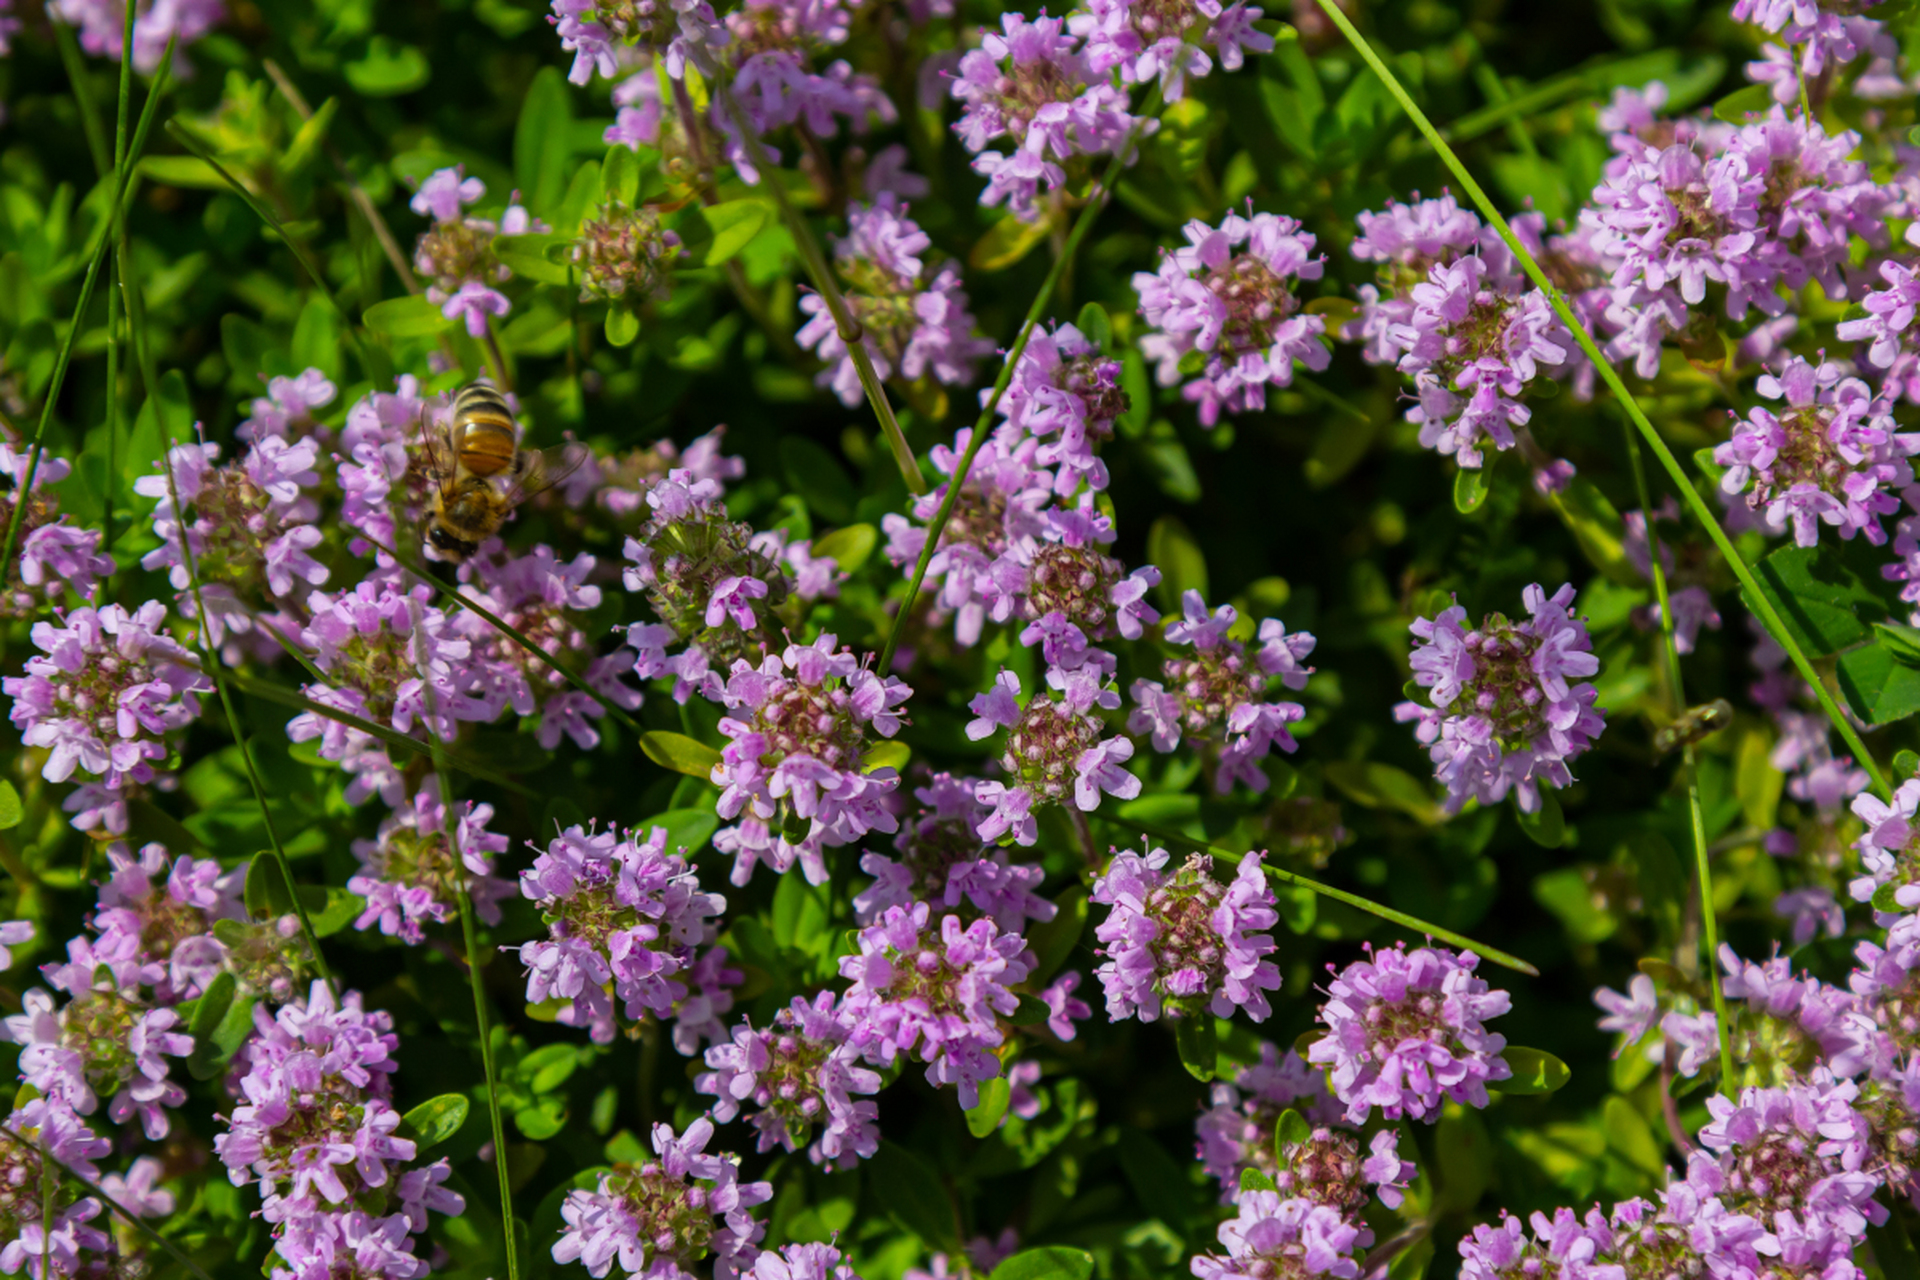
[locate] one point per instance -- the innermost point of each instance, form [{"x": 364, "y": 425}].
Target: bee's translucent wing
[{"x": 547, "y": 469}]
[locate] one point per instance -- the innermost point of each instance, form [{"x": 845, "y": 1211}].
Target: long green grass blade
[
  {"x": 1096, "y": 201},
  {"x": 1769, "y": 616},
  {"x": 103, "y": 160},
  {"x": 1368, "y": 905},
  {"x": 117, "y": 211}
]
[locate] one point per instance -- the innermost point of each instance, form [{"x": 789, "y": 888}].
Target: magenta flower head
[
  {"x": 166, "y": 906},
  {"x": 600, "y": 36},
  {"x": 1405, "y": 1032},
  {"x": 793, "y": 774},
  {"x": 1069, "y": 591},
  {"x": 1832, "y": 454},
  {"x": 1277, "y": 1237},
  {"x": 1144, "y": 41},
  {"x": 1067, "y": 394},
  {"x": 658, "y": 1220},
  {"x": 935, "y": 993},
  {"x": 802, "y": 1072},
  {"x": 1508, "y": 703},
  {"x": 1218, "y": 696},
  {"x": 1889, "y": 854},
  {"x": 54, "y": 554},
  {"x": 624, "y": 920},
  {"x": 50, "y": 1225},
  {"x": 1228, "y": 294},
  {"x": 409, "y": 876},
  {"x": 1184, "y": 944},
  {"x": 1055, "y": 751},
  {"x": 944, "y": 862},
  {"x": 1236, "y": 1132},
  {"x": 913, "y": 315}
]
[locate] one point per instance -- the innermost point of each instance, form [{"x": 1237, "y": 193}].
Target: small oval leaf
[
  {"x": 1545, "y": 826},
  {"x": 985, "y": 1115},
  {"x": 412, "y": 317},
  {"x": 1534, "y": 1071},
  {"x": 850, "y": 547},
  {"x": 1199, "y": 1045},
  {"x": 1290, "y": 1130},
  {"x": 12, "y": 812},
  {"x": 678, "y": 752},
  {"x": 886, "y": 755},
  {"x": 1053, "y": 1262},
  {"x": 622, "y": 326},
  {"x": 734, "y": 224},
  {"x": 435, "y": 1120},
  {"x": 1470, "y": 489}
]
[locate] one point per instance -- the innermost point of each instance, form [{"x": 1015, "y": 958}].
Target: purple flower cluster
[
  {"x": 54, "y": 554},
  {"x": 1236, "y": 1132},
  {"x": 455, "y": 256},
  {"x": 1832, "y": 455},
  {"x": 775, "y": 47},
  {"x": 659, "y": 1219},
  {"x": 316, "y": 1134},
  {"x": 602, "y": 35},
  {"x": 1406, "y": 1031},
  {"x": 161, "y": 910},
  {"x": 1182, "y": 943},
  {"x": 625, "y": 919},
  {"x": 1145, "y": 40},
  {"x": 1228, "y": 294},
  {"x": 794, "y": 774},
  {"x": 409, "y": 876},
  {"x": 45, "y": 1234},
  {"x": 935, "y": 993},
  {"x": 1506, "y": 712},
  {"x": 101, "y": 698},
  {"x": 1032, "y": 84},
  {"x": 801, "y": 1071},
  {"x": 1216, "y": 699},
  {"x": 1275, "y": 1236},
  {"x": 1054, "y": 749},
  {"x": 912, "y": 315},
  {"x": 1068, "y": 590},
  {"x": 944, "y": 862},
  {"x": 1066, "y": 393}
]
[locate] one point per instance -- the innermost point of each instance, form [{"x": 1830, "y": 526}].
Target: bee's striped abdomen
[{"x": 483, "y": 430}]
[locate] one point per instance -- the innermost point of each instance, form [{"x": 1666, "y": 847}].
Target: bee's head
[{"x": 449, "y": 545}]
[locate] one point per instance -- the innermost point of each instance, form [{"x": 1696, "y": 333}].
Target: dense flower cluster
[
  {"x": 55, "y": 554},
  {"x": 1236, "y": 1132},
  {"x": 1055, "y": 750},
  {"x": 1506, "y": 712},
  {"x": 410, "y": 875},
  {"x": 801, "y": 1071},
  {"x": 455, "y": 256},
  {"x": 1064, "y": 391},
  {"x": 946, "y": 863}
]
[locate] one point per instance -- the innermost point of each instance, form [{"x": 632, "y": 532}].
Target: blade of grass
[
  {"x": 1372, "y": 908},
  {"x": 122, "y": 176},
  {"x": 1096, "y": 201},
  {"x": 471, "y": 937},
  {"x": 844, "y": 322},
  {"x": 453, "y": 592},
  {"x": 1702, "y": 860},
  {"x": 83, "y": 95},
  {"x": 1762, "y": 605},
  {"x": 93, "y": 1188}
]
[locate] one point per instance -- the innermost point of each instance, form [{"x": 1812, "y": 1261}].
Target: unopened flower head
[
  {"x": 794, "y": 774},
  {"x": 802, "y": 1072},
  {"x": 1182, "y": 943},
  {"x": 1507, "y": 709},
  {"x": 624, "y": 253},
  {"x": 1831, "y": 454},
  {"x": 624, "y": 919},
  {"x": 1229, "y": 295},
  {"x": 1218, "y": 695},
  {"x": 1406, "y": 1031}
]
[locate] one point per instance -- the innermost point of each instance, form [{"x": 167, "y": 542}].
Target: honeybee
[
  {"x": 1698, "y": 723},
  {"x": 480, "y": 472}
]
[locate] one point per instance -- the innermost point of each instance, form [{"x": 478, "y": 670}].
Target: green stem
[
  {"x": 122, "y": 175},
  {"x": 844, "y": 322},
  {"x": 83, "y": 94},
  {"x": 1755, "y": 594},
  {"x": 1702, "y": 860},
  {"x": 1096, "y": 201},
  {"x": 1354, "y": 900}
]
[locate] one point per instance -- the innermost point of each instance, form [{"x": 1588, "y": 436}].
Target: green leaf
[
  {"x": 389, "y": 68},
  {"x": 1382, "y": 786},
  {"x": 1463, "y": 1158},
  {"x": 1031, "y": 1013},
  {"x": 678, "y": 752},
  {"x": 1006, "y": 242},
  {"x": 687, "y": 829},
  {"x": 1470, "y": 489},
  {"x": 222, "y": 1022},
  {"x": 1199, "y": 1044},
  {"x": 1290, "y": 1130},
  {"x": 1252, "y": 1179},
  {"x": 620, "y": 175},
  {"x": 330, "y": 909},
  {"x": 1906, "y": 763},
  {"x": 528, "y": 257},
  {"x": 543, "y": 141},
  {"x": 182, "y": 171},
  {"x": 435, "y": 1120},
  {"x": 734, "y": 224},
  {"x": 12, "y": 812},
  {"x": 267, "y": 894},
  {"x": 1903, "y": 642},
  {"x": 212, "y": 1006},
  {"x": 1819, "y": 598},
  {"x": 818, "y": 477},
  {"x": 410, "y": 317},
  {"x": 910, "y": 1193},
  {"x": 1052, "y": 1262},
  {"x": 1884, "y": 898},
  {"x": 1545, "y": 826},
  {"x": 1755, "y": 99},
  {"x": 986, "y": 1114},
  {"x": 1629, "y": 1134},
  {"x": 850, "y": 547},
  {"x": 1534, "y": 1071},
  {"x": 1182, "y": 566},
  {"x": 886, "y": 755},
  {"x": 1094, "y": 325},
  {"x": 542, "y": 1120},
  {"x": 318, "y": 337},
  {"x": 1053, "y": 941},
  {"x": 1159, "y": 1182},
  {"x": 1878, "y": 687},
  {"x": 623, "y": 326}
]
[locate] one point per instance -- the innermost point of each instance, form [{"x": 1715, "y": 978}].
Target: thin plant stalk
[
  {"x": 1756, "y": 595},
  {"x": 83, "y": 94},
  {"x": 1702, "y": 860},
  {"x": 1096, "y": 201},
  {"x": 122, "y": 176},
  {"x": 1372, "y": 908},
  {"x": 851, "y": 332}
]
